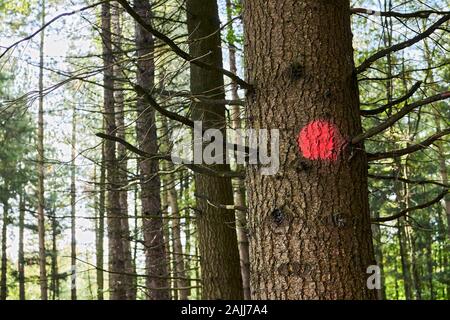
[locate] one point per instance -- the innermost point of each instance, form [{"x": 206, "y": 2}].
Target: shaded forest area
[{"x": 319, "y": 171}]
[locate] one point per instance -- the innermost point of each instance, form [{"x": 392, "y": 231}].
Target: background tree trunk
[
  {"x": 157, "y": 282},
  {"x": 116, "y": 13},
  {"x": 117, "y": 283},
  {"x": 40, "y": 164},
  {"x": 216, "y": 226},
  {"x": 21, "y": 257},
  {"x": 3, "y": 277},
  {"x": 310, "y": 234},
  {"x": 73, "y": 198}
]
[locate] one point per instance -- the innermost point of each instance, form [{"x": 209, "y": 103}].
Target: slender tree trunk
[
  {"x": 21, "y": 257},
  {"x": 310, "y": 234},
  {"x": 40, "y": 163},
  {"x": 54, "y": 288},
  {"x": 100, "y": 227},
  {"x": 73, "y": 197},
  {"x": 376, "y": 230},
  {"x": 117, "y": 281},
  {"x": 121, "y": 150},
  {"x": 239, "y": 185},
  {"x": 172, "y": 198},
  {"x": 215, "y": 226},
  {"x": 3, "y": 277},
  {"x": 406, "y": 268},
  {"x": 173, "y": 294},
  {"x": 157, "y": 282}
]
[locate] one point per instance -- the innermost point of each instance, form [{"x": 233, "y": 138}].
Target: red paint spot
[{"x": 320, "y": 139}]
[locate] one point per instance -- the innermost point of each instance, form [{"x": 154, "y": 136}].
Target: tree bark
[
  {"x": 310, "y": 234},
  {"x": 215, "y": 226},
  {"x": 157, "y": 282},
  {"x": 117, "y": 283}
]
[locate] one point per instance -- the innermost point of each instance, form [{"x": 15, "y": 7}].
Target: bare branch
[
  {"x": 408, "y": 150},
  {"x": 407, "y": 15},
  {"x": 194, "y": 167},
  {"x": 418, "y": 207},
  {"x": 394, "y": 118},
  {"x": 402, "y": 45},
  {"x": 177, "y": 50},
  {"x": 419, "y": 182},
  {"x": 408, "y": 95}
]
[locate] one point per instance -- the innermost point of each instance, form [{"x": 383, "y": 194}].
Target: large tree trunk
[
  {"x": 155, "y": 254},
  {"x": 310, "y": 234},
  {"x": 40, "y": 164},
  {"x": 216, "y": 226},
  {"x": 117, "y": 281},
  {"x": 3, "y": 286},
  {"x": 121, "y": 150}
]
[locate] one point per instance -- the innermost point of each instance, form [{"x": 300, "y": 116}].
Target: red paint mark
[{"x": 320, "y": 139}]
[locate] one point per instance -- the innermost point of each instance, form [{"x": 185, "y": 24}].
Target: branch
[
  {"x": 407, "y": 15},
  {"x": 177, "y": 50},
  {"x": 402, "y": 45},
  {"x": 420, "y": 182},
  {"x": 408, "y": 95},
  {"x": 394, "y": 118},
  {"x": 66, "y": 14},
  {"x": 221, "y": 206},
  {"x": 194, "y": 167},
  {"x": 408, "y": 150},
  {"x": 421, "y": 206}
]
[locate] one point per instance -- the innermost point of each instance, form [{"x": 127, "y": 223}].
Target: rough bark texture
[
  {"x": 157, "y": 283},
  {"x": 117, "y": 283},
  {"x": 310, "y": 235},
  {"x": 40, "y": 165},
  {"x": 216, "y": 227}
]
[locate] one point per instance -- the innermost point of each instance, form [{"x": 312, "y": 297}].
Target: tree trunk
[
  {"x": 54, "y": 283},
  {"x": 172, "y": 201},
  {"x": 378, "y": 248},
  {"x": 40, "y": 164},
  {"x": 121, "y": 150},
  {"x": 239, "y": 185},
  {"x": 3, "y": 277},
  {"x": 73, "y": 198},
  {"x": 100, "y": 227},
  {"x": 21, "y": 257},
  {"x": 157, "y": 282},
  {"x": 310, "y": 234},
  {"x": 216, "y": 226},
  {"x": 117, "y": 281}
]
